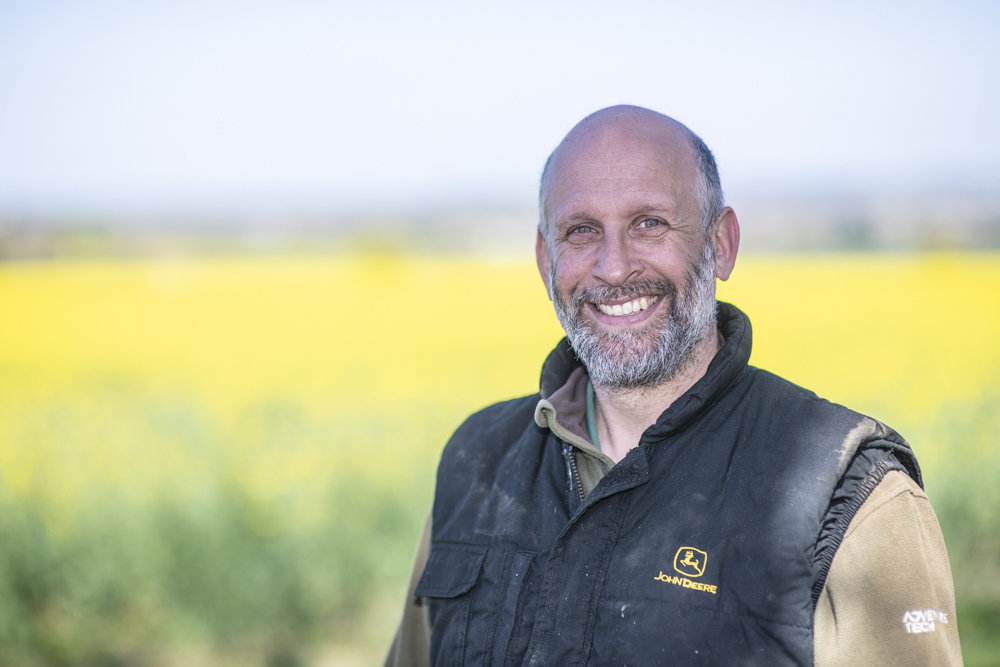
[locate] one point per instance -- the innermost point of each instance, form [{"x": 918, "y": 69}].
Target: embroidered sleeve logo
[{"x": 922, "y": 620}]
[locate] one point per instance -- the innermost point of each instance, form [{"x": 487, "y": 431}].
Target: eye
[
  {"x": 649, "y": 223},
  {"x": 582, "y": 234}
]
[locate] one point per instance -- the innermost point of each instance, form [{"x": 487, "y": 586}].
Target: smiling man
[{"x": 660, "y": 501}]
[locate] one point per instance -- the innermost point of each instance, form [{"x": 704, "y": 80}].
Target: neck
[{"x": 624, "y": 414}]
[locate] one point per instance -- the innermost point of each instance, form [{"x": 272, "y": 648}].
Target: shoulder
[
  {"x": 831, "y": 453},
  {"x": 484, "y": 433},
  {"x": 499, "y": 420},
  {"x": 499, "y": 416},
  {"x": 776, "y": 398},
  {"x": 780, "y": 393},
  {"x": 803, "y": 413}
]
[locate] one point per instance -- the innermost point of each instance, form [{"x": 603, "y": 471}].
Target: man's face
[{"x": 630, "y": 270}]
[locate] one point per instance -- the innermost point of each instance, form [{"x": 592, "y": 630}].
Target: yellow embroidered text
[{"x": 684, "y": 582}]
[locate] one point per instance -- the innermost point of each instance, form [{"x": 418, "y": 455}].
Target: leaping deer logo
[{"x": 690, "y": 561}]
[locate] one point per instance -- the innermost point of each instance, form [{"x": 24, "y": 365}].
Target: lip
[{"x": 625, "y": 320}]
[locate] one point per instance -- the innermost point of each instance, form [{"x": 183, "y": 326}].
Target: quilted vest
[{"x": 698, "y": 548}]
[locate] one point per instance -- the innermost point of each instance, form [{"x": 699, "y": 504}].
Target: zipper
[{"x": 575, "y": 479}]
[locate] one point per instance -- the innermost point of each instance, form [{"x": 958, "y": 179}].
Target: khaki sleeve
[
  {"x": 889, "y": 599},
  {"x": 411, "y": 646}
]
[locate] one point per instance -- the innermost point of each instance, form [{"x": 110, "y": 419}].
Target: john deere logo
[{"x": 690, "y": 561}]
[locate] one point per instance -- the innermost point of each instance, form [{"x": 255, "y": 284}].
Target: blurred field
[{"x": 226, "y": 461}]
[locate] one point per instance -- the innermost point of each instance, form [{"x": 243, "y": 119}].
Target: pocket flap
[{"x": 451, "y": 570}]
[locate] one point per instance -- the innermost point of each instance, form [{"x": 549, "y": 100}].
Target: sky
[{"x": 110, "y": 107}]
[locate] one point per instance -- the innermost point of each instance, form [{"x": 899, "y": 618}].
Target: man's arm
[
  {"x": 411, "y": 646},
  {"x": 889, "y": 598}
]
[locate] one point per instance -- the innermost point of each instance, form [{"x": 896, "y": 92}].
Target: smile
[{"x": 627, "y": 308}]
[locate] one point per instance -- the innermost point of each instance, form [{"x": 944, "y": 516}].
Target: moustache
[{"x": 630, "y": 290}]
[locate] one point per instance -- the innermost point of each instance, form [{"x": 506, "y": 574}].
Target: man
[{"x": 660, "y": 501}]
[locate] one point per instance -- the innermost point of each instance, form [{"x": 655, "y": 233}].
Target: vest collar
[{"x": 727, "y": 364}]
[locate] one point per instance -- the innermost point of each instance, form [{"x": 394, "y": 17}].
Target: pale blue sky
[{"x": 298, "y": 106}]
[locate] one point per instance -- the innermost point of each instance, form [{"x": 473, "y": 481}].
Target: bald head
[{"x": 618, "y": 133}]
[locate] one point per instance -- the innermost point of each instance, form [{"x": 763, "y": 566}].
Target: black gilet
[{"x": 708, "y": 544}]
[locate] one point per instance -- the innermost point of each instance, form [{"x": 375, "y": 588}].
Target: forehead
[{"x": 621, "y": 171}]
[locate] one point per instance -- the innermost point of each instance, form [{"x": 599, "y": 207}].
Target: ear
[
  {"x": 727, "y": 243},
  {"x": 542, "y": 257}
]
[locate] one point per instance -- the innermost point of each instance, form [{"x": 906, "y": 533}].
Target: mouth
[{"x": 627, "y": 308}]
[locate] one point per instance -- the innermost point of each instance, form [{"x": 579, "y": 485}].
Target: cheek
[
  {"x": 672, "y": 262},
  {"x": 570, "y": 269}
]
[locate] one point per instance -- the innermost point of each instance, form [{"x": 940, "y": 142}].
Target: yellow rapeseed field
[
  {"x": 129, "y": 381},
  {"x": 900, "y": 335}
]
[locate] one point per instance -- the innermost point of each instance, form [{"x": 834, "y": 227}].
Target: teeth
[{"x": 627, "y": 308}]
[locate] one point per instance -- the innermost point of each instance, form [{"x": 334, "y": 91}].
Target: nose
[{"x": 616, "y": 263}]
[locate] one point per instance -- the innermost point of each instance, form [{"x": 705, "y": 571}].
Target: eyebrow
[{"x": 661, "y": 207}]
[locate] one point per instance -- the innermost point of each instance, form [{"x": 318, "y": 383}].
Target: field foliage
[{"x": 227, "y": 461}]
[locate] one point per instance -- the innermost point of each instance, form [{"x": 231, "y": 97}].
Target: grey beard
[{"x": 655, "y": 354}]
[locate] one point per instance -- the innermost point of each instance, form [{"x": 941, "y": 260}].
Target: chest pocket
[{"x": 451, "y": 573}]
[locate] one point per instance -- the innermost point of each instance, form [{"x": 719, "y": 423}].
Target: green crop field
[{"x": 226, "y": 461}]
